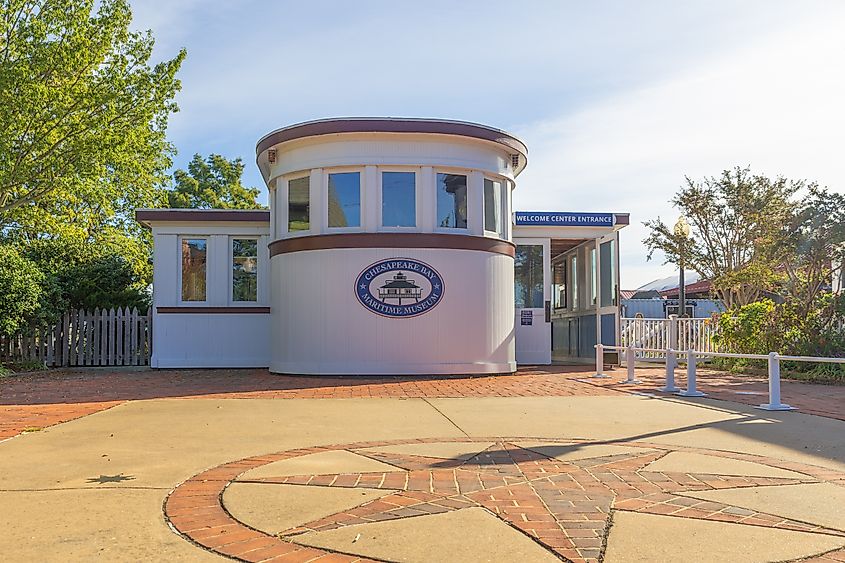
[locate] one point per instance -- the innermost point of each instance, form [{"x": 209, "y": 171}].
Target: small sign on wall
[{"x": 527, "y": 318}]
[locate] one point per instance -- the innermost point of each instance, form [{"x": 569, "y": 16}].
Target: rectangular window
[
  {"x": 244, "y": 270},
  {"x": 492, "y": 206},
  {"x": 193, "y": 269},
  {"x": 614, "y": 290},
  {"x": 593, "y": 277},
  {"x": 398, "y": 199},
  {"x": 559, "y": 285},
  {"x": 608, "y": 274},
  {"x": 528, "y": 276},
  {"x": 452, "y": 201},
  {"x": 574, "y": 268},
  {"x": 344, "y": 199},
  {"x": 299, "y": 204}
]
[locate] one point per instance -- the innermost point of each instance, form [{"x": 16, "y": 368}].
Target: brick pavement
[
  {"x": 42, "y": 399},
  {"x": 567, "y": 507},
  {"x": 810, "y": 398},
  {"x": 38, "y": 400}
]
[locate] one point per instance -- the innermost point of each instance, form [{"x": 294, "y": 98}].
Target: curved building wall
[
  {"x": 320, "y": 327},
  {"x": 323, "y": 321}
]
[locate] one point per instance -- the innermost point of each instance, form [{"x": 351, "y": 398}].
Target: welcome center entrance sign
[{"x": 563, "y": 218}]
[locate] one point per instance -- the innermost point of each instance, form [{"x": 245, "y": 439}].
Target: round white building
[{"x": 391, "y": 247}]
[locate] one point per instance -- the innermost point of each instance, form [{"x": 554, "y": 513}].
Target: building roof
[
  {"x": 147, "y": 216},
  {"x": 402, "y": 284},
  {"x": 333, "y": 126},
  {"x": 701, "y": 286}
]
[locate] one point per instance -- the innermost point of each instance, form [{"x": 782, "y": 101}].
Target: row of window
[
  {"x": 528, "y": 274},
  {"x": 398, "y": 201},
  {"x": 244, "y": 267}
]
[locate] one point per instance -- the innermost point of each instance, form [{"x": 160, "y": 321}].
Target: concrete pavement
[{"x": 95, "y": 486}]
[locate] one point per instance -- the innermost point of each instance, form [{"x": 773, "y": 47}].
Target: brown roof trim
[
  {"x": 390, "y": 125},
  {"x": 204, "y": 215},
  {"x": 214, "y": 310},
  {"x": 392, "y": 240}
]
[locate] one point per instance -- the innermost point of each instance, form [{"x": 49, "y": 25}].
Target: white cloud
[
  {"x": 618, "y": 101},
  {"x": 776, "y": 105}
]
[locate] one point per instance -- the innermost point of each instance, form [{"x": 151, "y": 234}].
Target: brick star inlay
[{"x": 563, "y": 501}]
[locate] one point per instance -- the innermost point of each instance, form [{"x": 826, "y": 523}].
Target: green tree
[
  {"x": 20, "y": 291},
  {"x": 212, "y": 183},
  {"x": 79, "y": 275},
  {"x": 739, "y": 224},
  {"x": 83, "y": 115},
  {"x": 814, "y": 247}
]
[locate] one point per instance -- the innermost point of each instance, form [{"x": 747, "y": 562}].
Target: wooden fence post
[
  {"x": 133, "y": 337},
  {"x": 148, "y": 339}
]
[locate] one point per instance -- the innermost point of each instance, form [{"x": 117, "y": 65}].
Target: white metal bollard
[
  {"x": 673, "y": 334},
  {"x": 629, "y": 362},
  {"x": 600, "y": 362},
  {"x": 671, "y": 362},
  {"x": 691, "y": 391},
  {"x": 774, "y": 403}
]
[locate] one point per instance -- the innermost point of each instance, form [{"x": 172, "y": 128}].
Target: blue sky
[{"x": 616, "y": 101}]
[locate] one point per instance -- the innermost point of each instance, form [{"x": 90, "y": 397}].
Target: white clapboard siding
[{"x": 85, "y": 338}]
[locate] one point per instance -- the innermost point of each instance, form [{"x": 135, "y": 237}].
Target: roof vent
[
  {"x": 271, "y": 156},
  {"x": 515, "y": 161}
]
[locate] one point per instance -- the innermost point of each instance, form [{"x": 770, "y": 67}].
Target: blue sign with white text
[{"x": 563, "y": 219}]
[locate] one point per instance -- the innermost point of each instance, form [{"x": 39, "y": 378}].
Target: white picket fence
[
  {"x": 85, "y": 338},
  {"x": 662, "y": 334}
]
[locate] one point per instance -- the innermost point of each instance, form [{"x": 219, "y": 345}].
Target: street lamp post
[{"x": 682, "y": 231}]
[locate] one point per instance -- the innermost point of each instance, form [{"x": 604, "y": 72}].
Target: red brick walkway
[
  {"x": 42, "y": 399},
  {"x": 810, "y": 398},
  {"x": 566, "y": 507}
]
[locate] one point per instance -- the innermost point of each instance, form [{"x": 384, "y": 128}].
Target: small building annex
[{"x": 390, "y": 247}]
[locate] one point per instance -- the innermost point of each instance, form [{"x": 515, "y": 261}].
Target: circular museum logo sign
[{"x": 399, "y": 287}]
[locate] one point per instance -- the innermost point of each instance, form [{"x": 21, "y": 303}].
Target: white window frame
[
  {"x": 418, "y": 189},
  {"x": 595, "y": 282},
  {"x": 458, "y": 172},
  {"x": 361, "y": 198},
  {"x": 231, "y": 267},
  {"x": 500, "y": 233},
  {"x": 207, "y": 239},
  {"x": 288, "y": 179}
]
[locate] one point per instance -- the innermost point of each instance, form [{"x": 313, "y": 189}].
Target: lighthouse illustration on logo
[{"x": 399, "y": 288}]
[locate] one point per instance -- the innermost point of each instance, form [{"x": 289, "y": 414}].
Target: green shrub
[
  {"x": 81, "y": 274},
  {"x": 22, "y": 366},
  {"x": 20, "y": 291},
  {"x": 815, "y": 372},
  {"x": 764, "y": 326},
  {"x": 750, "y": 329}
]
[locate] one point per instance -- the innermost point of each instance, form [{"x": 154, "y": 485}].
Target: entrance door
[
  {"x": 531, "y": 291},
  {"x": 607, "y": 306}
]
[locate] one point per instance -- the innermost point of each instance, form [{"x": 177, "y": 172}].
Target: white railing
[
  {"x": 654, "y": 336},
  {"x": 671, "y": 356}
]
